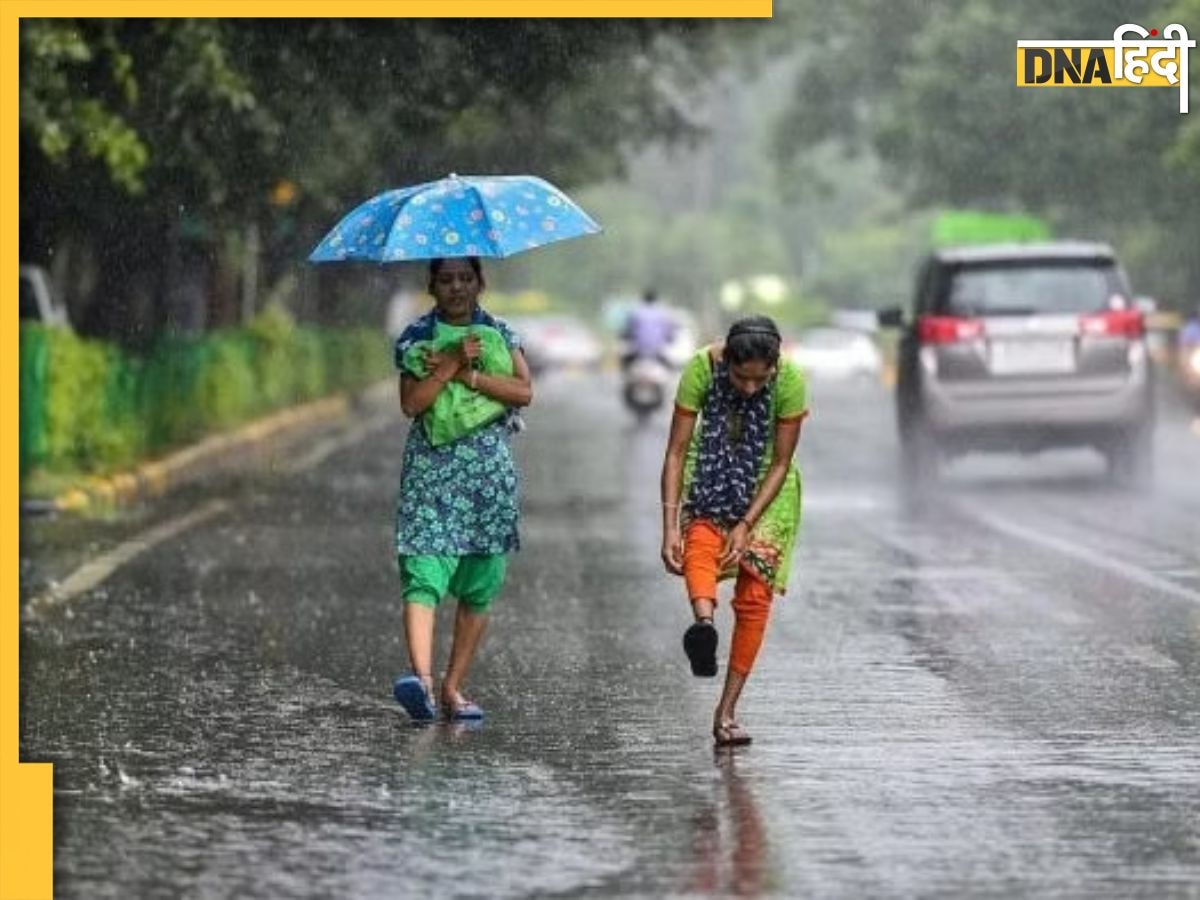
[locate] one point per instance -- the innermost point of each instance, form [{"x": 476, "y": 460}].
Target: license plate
[{"x": 1029, "y": 357}]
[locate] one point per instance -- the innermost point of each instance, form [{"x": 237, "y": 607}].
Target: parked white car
[
  {"x": 836, "y": 354},
  {"x": 558, "y": 341}
]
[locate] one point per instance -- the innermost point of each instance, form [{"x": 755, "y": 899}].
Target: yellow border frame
[
  {"x": 26, "y": 790},
  {"x": 462, "y": 9}
]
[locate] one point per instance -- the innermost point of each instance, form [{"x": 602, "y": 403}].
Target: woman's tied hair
[{"x": 754, "y": 338}]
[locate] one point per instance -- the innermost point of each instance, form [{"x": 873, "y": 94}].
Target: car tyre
[
  {"x": 920, "y": 458},
  {"x": 1130, "y": 457}
]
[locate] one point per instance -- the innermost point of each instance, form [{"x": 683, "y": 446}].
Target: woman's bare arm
[
  {"x": 671, "y": 488},
  {"x": 418, "y": 394},
  {"x": 512, "y": 390},
  {"x": 787, "y": 436}
]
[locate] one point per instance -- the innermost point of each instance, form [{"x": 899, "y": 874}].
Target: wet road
[{"x": 992, "y": 692}]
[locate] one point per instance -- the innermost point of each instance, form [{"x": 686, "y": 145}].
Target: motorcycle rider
[
  {"x": 648, "y": 332},
  {"x": 1189, "y": 334}
]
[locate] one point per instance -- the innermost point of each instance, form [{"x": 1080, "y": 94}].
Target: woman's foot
[
  {"x": 459, "y": 709},
  {"x": 415, "y": 693},
  {"x": 730, "y": 734}
]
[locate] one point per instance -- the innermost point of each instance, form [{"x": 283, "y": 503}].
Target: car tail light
[
  {"x": 1122, "y": 323},
  {"x": 948, "y": 329}
]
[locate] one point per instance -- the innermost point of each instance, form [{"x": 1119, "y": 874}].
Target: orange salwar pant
[{"x": 702, "y": 543}]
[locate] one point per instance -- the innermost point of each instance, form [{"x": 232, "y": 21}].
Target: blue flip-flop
[
  {"x": 411, "y": 694},
  {"x": 467, "y": 711}
]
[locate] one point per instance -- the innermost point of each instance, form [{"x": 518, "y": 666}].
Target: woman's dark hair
[
  {"x": 435, "y": 266},
  {"x": 752, "y": 338}
]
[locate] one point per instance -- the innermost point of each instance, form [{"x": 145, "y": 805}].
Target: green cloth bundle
[{"x": 458, "y": 410}]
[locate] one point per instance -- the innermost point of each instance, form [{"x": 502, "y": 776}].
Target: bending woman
[
  {"x": 456, "y": 519},
  {"x": 731, "y": 496}
]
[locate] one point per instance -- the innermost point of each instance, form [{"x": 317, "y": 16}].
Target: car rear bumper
[{"x": 1067, "y": 412}]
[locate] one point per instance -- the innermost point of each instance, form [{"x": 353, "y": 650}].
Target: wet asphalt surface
[{"x": 990, "y": 692}]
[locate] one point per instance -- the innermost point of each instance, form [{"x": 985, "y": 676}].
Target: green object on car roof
[{"x": 956, "y": 227}]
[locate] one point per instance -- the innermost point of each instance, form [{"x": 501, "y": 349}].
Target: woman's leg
[
  {"x": 476, "y": 582},
  {"x": 468, "y": 632},
  {"x": 702, "y": 544},
  {"x": 424, "y": 582},
  {"x": 418, "y": 634},
  {"x": 751, "y": 607}
]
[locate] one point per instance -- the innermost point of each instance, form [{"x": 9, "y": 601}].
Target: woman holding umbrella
[
  {"x": 731, "y": 496},
  {"x": 456, "y": 519},
  {"x": 462, "y": 377}
]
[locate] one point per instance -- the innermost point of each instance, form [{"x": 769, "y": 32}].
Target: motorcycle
[{"x": 646, "y": 383}]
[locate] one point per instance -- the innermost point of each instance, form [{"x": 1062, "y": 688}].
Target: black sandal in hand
[{"x": 700, "y": 645}]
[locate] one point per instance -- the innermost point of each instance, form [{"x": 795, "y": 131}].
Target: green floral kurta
[{"x": 462, "y": 497}]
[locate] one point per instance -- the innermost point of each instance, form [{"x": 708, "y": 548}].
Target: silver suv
[{"x": 1021, "y": 348}]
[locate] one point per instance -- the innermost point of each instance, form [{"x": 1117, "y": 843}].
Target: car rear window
[{"x": 1024, "y": 288}]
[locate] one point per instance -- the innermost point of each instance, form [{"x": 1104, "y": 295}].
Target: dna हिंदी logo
[{"x": 1121, "y": 62}]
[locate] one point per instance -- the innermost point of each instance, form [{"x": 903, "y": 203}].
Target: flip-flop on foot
[
  {"x": 464, "y": 711},
  {"x": 731, "y": 734},
  {"x": 700, "y": 645},
  {"x": 411, "y": 694}
]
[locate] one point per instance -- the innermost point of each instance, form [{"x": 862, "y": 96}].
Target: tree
[
  {"x": 156, "y": 147},
  {"x": 930, "y": 89}
]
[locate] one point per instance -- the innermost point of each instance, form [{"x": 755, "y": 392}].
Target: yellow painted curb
[
  {"x": 126, "y": 486},
  {"x": 72, "y": 501},
  {"x": 102, "y": 488},
  {"x": 154, "y": 476}
]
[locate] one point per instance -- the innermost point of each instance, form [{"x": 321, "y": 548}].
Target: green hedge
[{"x": 88, "y": 407}]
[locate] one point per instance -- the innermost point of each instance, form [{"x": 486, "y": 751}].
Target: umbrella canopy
[{"x": 462, "y": 215}]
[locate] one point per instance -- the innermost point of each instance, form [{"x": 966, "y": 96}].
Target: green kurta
[{"x": 772, "y": 541}]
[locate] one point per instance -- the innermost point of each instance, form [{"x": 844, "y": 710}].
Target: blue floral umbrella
[{"x": 461, "y": 215}]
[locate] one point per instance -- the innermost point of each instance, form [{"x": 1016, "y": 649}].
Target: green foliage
[
  {"x": 272, "y": 340},
  {"x": 226, "y": 390},
  {"x": 120, "y": 433},
  {"x": 799, "y": 311},
  {"x": 173, "y": 369},
  {"x": 88, "y": 407},
  {"x": 181, "y": 128},
  {"x": 85, "y": 427},
  {"x": 869, "y": 265},
  {"x": 356, "y": 356},
  {"x": 686, "y": 256},
  {"x": 57, "y": 56},
  {"x": 34, "y": 352},
  {"x": 928, "y": 86},
  {"x": 313, "y": 373}
]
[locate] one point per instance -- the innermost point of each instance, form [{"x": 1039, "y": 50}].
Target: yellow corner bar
[
  {"x": 26, "y": 790},
  {"x": 399, "y": 9}
]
